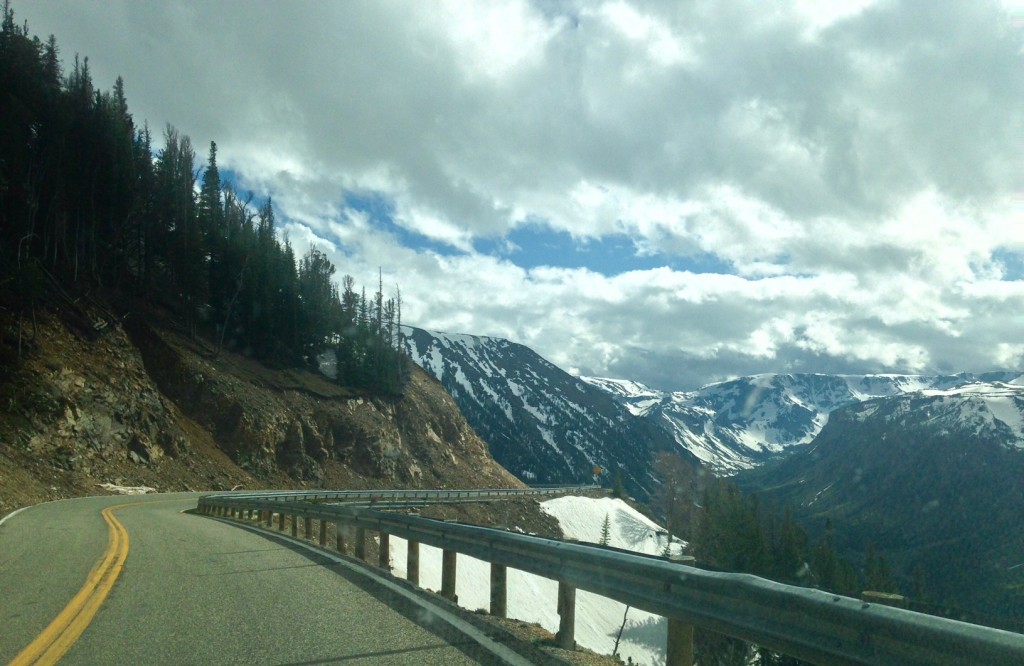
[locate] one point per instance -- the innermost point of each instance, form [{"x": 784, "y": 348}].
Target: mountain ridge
[
  {"x": 931, "y": 479},
  {"x": 541, "y": 423},
  {"x": 741, "y": 423}
]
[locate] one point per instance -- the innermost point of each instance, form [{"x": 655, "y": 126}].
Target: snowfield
[{"x": 534, "y": 599}]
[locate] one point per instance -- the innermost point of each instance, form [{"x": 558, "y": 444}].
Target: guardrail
[
  {"x": 373, "y": 496},
  {"x": 812, "y": 625}
]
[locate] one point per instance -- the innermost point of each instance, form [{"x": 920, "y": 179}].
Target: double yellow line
[{"x": 65, "y": 629}]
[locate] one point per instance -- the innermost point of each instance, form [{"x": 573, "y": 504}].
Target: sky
[{"x": 669, "y": 192}]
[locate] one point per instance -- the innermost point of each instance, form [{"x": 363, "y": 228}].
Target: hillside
[
  {"x": 137, "y": 404},
  {"x": 542, "y": 423},
  {"x": 932, "y": 480}
]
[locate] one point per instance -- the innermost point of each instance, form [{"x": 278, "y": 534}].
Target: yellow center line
[{"x": 54, "y": 641}]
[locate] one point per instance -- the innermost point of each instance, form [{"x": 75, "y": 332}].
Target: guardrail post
[
  {"x": 566, "y": 636},
  {"x": 295, "y": 525},
  {"x": 269, "y": 517},
  {"x": 412, "y": 562},
  {"x": 448, "y": 563},
  {"x": 361, "y": 543},
  {"x": 499, "y": 590},
  {"x": 280, "y": 521},
  {"x": 680, "y": 643},
  {"x": 384, "y": 557},
  {"x": 884, "y": 598},
  {"x": 323, "y": 532},
  {"x": 339, "y": 536},
  {"x": 307, "y": 527}
]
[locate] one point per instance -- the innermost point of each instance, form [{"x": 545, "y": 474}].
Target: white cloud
[{"x": 850, "y": 170}]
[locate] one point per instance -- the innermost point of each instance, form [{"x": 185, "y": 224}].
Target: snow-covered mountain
[
  {"x": 546, "y": 425},
  {"x": 931, "y": 478},
  {"x": 743, "y": 422},
  {"x": 542, "y": 424}
]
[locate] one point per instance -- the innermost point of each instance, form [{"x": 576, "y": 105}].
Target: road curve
[{"x": 193, "y": 591}]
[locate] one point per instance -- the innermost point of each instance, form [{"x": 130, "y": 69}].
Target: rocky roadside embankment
[{"x": 140, "y": 405}]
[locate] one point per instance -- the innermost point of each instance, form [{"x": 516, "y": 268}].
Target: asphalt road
[{"x": 195, "y": 590}]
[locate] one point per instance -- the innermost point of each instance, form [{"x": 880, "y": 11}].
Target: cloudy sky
[{"x": 672, "y": 192}]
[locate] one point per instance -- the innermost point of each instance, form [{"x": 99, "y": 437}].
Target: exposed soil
[{"x": 129, "y": 402}]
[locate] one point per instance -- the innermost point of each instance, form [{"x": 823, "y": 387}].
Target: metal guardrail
[
  {"x": 812, "y": 625},
  {"x": 372, "y": 496}
]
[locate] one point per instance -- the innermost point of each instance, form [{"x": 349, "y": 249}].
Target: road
[{"x": 193, "y": 590}]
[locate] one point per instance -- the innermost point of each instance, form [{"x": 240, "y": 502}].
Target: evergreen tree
[
  {"x": 618, "y": 490},
  {"x": 85, "y": 206},
  {"x": 877, "y": 575},
  {"x": 605, "y": 531}
]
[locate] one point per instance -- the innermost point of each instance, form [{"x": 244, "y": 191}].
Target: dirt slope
[{"x": 139, "y": 405}]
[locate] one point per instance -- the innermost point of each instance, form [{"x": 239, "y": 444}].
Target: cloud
[{"x": 806, "y": 186}]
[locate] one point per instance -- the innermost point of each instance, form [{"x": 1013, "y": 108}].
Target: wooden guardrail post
[
  {"x": 295, "y": 525},
  {"x": 499, "y": 590},
  {"x": 566, "y": 636},
  {"x": 384, "y": 556},
  {"x": 323, "y": 532},
  {"x": 680, "y": 643},
  {"x": 339, "y": 536},
  {"x": 307, "y": 527},
  {"x": 884, "y": 598},
  {"x": 448, "y": 573},
  {"x": 412, "y": 562},
  {"x": 280, "y": 521},
  {"x": 361, "y": 543},
  {"x": 269, "y": 517}
]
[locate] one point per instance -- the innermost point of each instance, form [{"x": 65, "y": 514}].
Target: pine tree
[
  {"x": 618, "y": 490},
  {"x": 605, "y": 531}
]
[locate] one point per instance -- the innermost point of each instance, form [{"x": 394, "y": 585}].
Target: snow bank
[{"x": 126, "y": 490}]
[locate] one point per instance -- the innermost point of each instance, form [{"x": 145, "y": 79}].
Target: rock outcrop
[{"x": 142, "y": 405}]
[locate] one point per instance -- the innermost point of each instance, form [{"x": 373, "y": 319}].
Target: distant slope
[
  {"x": 932, "y": 478},
  {"x": 542, "y": 423},
  {"x": 742, "y": 423}
]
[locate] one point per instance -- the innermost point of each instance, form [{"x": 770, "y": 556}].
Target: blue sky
[
  {"x": 669, "y": 192},
  {"x": 534, "y": 244}
]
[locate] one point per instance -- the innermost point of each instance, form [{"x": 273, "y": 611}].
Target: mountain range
[
  {"x": 742, "y": 423},
  {"x": 926, "y": 469},
  {"x": 547, "y": 425},
  {"x": 542, "y": 424},
  {"x": 932, "y": 479}
]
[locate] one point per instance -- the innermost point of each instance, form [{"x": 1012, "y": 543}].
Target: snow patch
[{"x": 534, "y": 599}]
